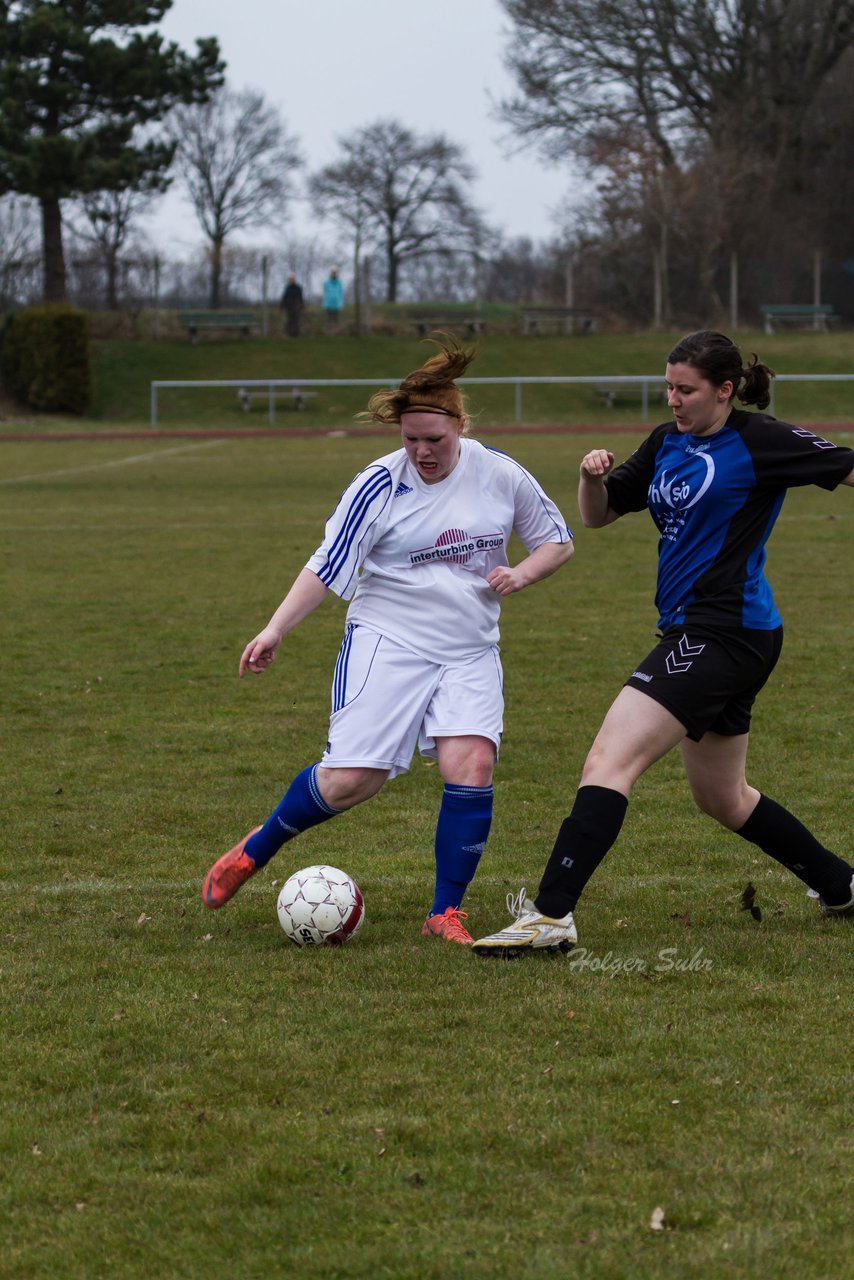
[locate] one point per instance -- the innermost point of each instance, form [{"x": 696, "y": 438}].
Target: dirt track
[{"x": 244, "y": 433}]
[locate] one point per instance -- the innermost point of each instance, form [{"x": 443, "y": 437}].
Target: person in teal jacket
[{"x": 333, "y": 297}]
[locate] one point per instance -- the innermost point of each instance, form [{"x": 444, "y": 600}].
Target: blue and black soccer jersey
[{"x": 714, "y": 500}]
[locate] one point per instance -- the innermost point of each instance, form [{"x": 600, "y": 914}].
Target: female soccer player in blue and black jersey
[{"x": 714, "y": 480}]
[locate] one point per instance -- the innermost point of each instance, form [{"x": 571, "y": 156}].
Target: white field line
[
  {"x": 99, "y": 886},
  {"x": 139, "y": 527},
  {"x": 114, "y": 462},
  {"x": 258, "y": 888},
  {"x": 96, "y": 886}
]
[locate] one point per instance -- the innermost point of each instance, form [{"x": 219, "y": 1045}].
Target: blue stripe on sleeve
[{"x": 358, "y": 520}]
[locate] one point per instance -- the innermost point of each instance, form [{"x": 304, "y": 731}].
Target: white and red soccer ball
[{"x": 320, "y": 906}]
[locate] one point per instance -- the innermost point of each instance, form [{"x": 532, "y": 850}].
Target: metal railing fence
[{"x": 645, "y": 381}]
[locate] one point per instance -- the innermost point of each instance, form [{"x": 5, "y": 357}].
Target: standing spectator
[
  {"x": 292, "y": 304},
  {"x": 333, "y": 297}
]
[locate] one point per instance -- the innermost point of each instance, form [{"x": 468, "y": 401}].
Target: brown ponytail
[{"x": 432, "y": 387}]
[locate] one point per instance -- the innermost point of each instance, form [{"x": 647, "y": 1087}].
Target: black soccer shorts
[{"x": 708, "y": 677}]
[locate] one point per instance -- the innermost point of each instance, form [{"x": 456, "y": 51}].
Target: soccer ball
[{"x": 320, "y": 905}]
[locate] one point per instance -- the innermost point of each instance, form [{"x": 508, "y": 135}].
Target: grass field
[
  {"x": 124, "y": 370},
  {"x": 185, "y": 1095}
]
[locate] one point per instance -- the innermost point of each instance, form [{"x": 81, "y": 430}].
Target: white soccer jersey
[{"x": 413, "y": 557}]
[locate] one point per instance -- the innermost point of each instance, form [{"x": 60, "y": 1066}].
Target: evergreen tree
[{"x": 77, "y": 84}]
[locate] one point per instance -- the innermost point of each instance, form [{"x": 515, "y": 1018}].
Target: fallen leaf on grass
[
  {"x": 748, "y": 901},
  {"x": 143, "y": 919}
]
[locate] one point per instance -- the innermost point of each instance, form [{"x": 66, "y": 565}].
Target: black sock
[
  {"x": 583, "y": 840},
  {"x": 781, "y": 835}
]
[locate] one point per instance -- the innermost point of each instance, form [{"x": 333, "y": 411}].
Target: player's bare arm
[
  {"x": 545, "y": 560},
  {"x": 592, "y": 494},
  {"x": 849, "y": 479},
  {"x": 303, "y": 598}
]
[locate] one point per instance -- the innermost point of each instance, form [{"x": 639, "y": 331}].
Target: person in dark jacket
[{"x": 292, "y": 304}]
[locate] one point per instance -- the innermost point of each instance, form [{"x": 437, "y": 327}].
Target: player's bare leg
[
  {"x": 635, "y": 733},
  {"x": 715, "y": 768}
]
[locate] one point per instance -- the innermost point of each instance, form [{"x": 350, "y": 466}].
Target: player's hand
[
  {"x": 505, "y": 579},
  {"x": 598, "y": 462},
  {"x": 260, "y": 652}
]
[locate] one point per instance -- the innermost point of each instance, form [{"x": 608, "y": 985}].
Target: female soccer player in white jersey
[
  {"x": 714, "y": 480},
  {"x": 418, "y": 544}
]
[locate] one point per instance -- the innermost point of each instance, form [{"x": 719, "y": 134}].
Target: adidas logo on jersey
[{"x": 402, "y": 489}]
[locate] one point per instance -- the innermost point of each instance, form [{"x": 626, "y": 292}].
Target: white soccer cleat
[
  {"x": 846, "y": 909},
  {"x": 530, "y": 931}
]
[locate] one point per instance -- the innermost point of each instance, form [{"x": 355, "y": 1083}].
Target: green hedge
[{"x": 44, "y": 358}]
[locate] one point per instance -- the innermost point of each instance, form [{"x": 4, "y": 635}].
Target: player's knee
[
  {"x": 725, "y": 807},
  {"x": 471, "y": 765},
  {"x": 602, "y": 768},
  {"x": 345, "y": 788}
]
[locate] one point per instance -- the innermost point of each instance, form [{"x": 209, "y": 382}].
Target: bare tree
[
  {"x": 679, "y": 110},
  {"x": 108, "y": 218},
  {"x": 236, "y": 161},
  {"x": 401, "y": 192},
  {"x": 679, "y": 70},
  {"x": 340, "y": 194},
  {"x": 20, "y": 253}
]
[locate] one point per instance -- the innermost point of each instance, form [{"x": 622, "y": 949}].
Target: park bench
[
  {"x": 429, "y": 321},
  {"x": 817, "y": 315},
  {"x": 611, "y": 392},
  {"x": 566, "y": 319},
  {"x": 226, "y": 321},
  {"x": 296, "y": 395}
]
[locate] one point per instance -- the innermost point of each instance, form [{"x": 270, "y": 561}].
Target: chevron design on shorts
[{"x": 687, "y": 653}]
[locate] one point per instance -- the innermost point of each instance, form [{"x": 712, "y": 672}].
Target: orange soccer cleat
[
  {"x": 448, "y": 924},
  {"x": 228, "y": 874}
]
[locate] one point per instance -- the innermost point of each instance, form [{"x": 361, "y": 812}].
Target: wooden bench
[
  {"x": 428, "y": 321},
  {"x": 295, "y": 395},
  {"x": 611, "y": 392},
  {"x": 815, "y": 315},
  {"x": 194, "y": 322},
  {"x": 568, "y": 319}
]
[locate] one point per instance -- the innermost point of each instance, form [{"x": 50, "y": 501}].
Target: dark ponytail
[{"x": 718, "y": 359}]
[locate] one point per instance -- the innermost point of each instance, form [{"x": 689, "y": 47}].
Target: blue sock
[
  {"x": 302, "y": 807},
  {"x": 461, "y": 835}
]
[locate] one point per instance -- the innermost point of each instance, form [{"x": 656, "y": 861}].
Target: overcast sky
[{"x": 334, "y": 65}]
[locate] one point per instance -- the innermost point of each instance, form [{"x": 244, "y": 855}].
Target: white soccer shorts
[{"x": 386, "y": 700}]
